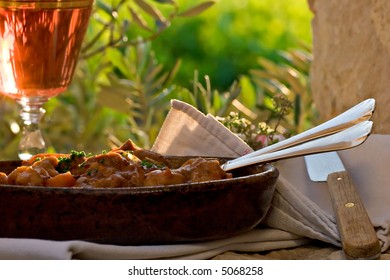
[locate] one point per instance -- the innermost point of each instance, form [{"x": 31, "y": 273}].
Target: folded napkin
[{"x": 300, "y": 211}]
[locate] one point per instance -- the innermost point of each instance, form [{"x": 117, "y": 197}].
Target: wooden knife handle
[{"x": 358, "y": 236}]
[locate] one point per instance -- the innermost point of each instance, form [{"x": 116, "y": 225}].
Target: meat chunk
[
  {"x": 111, "y": 170},
  {"x": 144, "y": 154},
  {"x": 3, "y": 178},
  {"x": 36, "y": 174},
  {"x": 164, "y": 177},
  {"x": 194, "y": 170},
  {"x": 200, "y": 169}
]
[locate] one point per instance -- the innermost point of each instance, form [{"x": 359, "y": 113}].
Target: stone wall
[{"x": 351, "y": 47}]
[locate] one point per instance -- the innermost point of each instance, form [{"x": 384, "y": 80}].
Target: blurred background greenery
[
  {"x": 245, "y": 61},
  {"x": 226, "y": 40}
]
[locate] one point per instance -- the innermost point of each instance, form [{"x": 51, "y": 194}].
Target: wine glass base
[{"x": 32, "y": 141}]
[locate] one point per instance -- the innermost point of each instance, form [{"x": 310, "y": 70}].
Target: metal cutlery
[
  {"x": 360, "y": 112},
  {"x": 344, "y": 139}
]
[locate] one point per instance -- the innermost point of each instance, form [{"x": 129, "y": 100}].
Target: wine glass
[{"x": 40, "y": 43}]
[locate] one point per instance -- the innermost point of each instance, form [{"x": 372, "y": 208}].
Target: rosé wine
[{"x": 40, "y": 43}]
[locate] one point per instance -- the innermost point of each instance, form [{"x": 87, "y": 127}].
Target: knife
[{"x": 358, "y": 236}]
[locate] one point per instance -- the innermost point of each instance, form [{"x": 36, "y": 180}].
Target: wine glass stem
[{"x": 32, "y": 141}]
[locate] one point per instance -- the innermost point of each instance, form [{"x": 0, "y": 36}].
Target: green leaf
[
  {"x": 294, "y": 81},
  {"x": 113, "y": 99},
  {"x": 152, "y": 11},
  {"x": 269, "y": 66},
  {"x": 261, "y": 74},
  {"x": 158, "y": 83},
  {"x": 117, "y": 60},
  {"x": 139, "y": 20},
  {"x": 153, "y": 73},
  {"x": 217, "y": 102},
  {"x": 173, "y": 72},
  {"x": 165, "y": 2},
  {"x": 196, "y": 10},
  {"x": 248, "y": 96},
  {"x": 104, "y": 7}
]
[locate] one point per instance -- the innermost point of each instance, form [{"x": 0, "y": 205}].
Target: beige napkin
[{"x": 300, "y": 209}]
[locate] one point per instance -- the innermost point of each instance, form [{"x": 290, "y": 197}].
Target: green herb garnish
[
  {"x": 65, "y": 163},
  {"x": 148, "y": 164}
]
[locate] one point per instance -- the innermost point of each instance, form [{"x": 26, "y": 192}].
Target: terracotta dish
[{"x": 139, "y": 215}]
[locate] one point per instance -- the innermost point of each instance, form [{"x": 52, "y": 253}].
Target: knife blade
[{"x": 357, "y": 234}]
